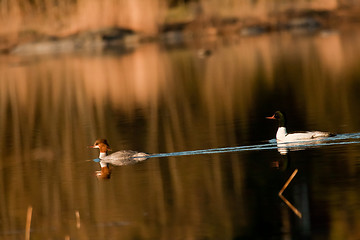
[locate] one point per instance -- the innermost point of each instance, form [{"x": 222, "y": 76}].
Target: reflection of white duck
[
  {"x": 124, "y": 157},
  {"x": 283, "y": 136}
]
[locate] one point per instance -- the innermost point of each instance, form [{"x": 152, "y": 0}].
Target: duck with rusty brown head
[{"x": 119, "y": 158}]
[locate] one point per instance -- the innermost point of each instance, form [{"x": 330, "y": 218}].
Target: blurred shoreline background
[{"x": 91, "y": 23}]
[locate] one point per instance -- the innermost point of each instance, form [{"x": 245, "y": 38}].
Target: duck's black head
[{"x": 280, "y": 117}]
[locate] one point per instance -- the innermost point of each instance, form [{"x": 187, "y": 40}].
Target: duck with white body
[{"x": 283, "y": 136}]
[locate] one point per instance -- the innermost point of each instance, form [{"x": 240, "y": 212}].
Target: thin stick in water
[
  {"x": 28, "y": 223},
  {"x": 77, "y": 214},
  {"x": 288, "y": 181},
  {"x": 295, "y": 210}
]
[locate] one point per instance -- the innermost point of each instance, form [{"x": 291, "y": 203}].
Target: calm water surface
[{"x": 159, "y": 99}]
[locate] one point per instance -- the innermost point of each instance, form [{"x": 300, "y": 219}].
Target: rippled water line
[
  {"x": 214, "y": 150},
  {"x": 345, "y": 136},
  {"x": 272, "y": 145}
]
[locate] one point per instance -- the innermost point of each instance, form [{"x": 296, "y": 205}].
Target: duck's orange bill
[{"x": 272, "y": 117}]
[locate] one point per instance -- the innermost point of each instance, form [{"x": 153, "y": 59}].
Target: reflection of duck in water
[
  {"x": 283, "y": 136},
  {"x": 124, "y": 157}
]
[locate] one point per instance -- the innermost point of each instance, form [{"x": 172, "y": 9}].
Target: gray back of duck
[{"x": 125, "y": 157}]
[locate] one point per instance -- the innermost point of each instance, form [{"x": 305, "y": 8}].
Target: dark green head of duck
[{"x": 280, "y": 117}]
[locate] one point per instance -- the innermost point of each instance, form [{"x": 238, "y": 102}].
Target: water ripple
[{"x": 340, "y": 139}]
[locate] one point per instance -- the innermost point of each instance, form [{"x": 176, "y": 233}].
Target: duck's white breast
[{"x": 281, "y": 134}]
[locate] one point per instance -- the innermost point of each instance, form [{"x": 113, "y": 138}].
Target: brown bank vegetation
[{"x": 49, "y": 20}]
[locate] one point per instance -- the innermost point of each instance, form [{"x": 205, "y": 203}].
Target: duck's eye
[{"x": 96, "y": 144}]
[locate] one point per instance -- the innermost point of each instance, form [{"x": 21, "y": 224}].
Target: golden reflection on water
[{"x": 158, "y": 100}]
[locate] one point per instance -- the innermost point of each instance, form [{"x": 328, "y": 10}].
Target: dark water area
[{"x": 170, "y": 101}]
